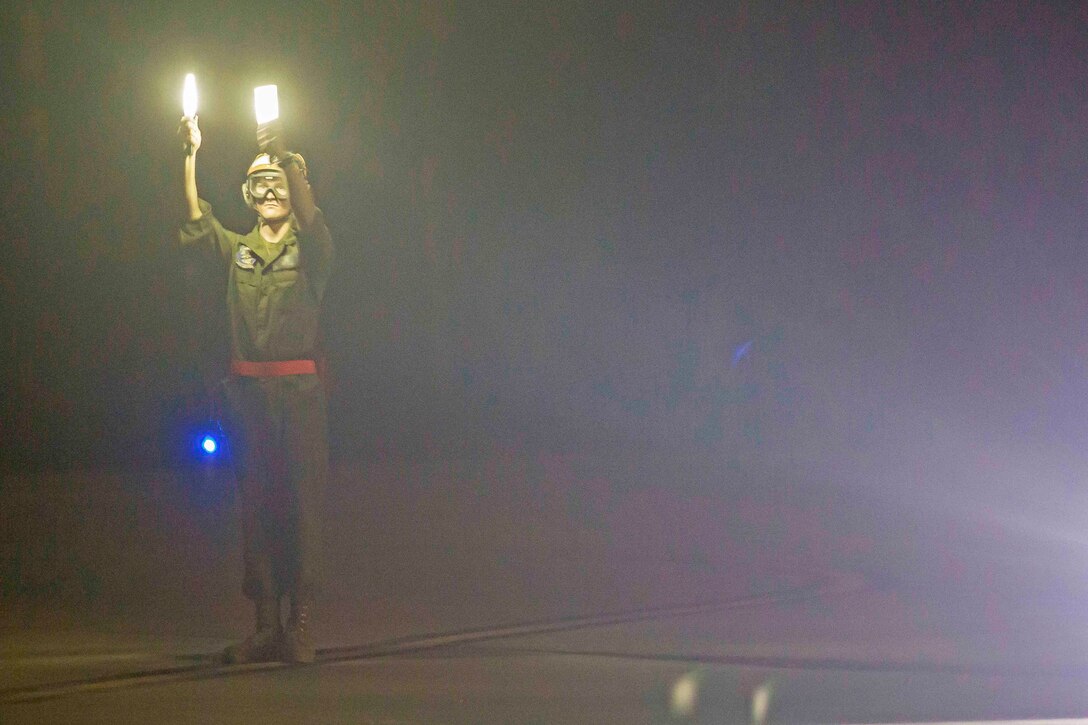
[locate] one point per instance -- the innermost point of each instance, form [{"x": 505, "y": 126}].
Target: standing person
[{"x": 276, "y": 417}]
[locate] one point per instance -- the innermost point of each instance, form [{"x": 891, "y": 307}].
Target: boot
[
  {"x": 298, "y": 644},
  {"x": 263, "y": 644}
]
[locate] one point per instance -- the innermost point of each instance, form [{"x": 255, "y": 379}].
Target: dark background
[
  {"x": 636, "y": 304},
  {"x": 832, "y": 237}
]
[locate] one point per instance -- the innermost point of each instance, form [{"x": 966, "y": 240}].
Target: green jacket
[{"x": 275, "y": 290}]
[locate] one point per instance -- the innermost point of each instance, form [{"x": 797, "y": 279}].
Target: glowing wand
[
  {"x": 266, "y": 103},
  {"x": 188, "y": 104}
]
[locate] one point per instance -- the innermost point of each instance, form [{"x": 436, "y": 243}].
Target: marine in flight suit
[{"x": 276, "y": 416}]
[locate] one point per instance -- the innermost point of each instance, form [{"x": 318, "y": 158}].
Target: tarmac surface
[{"x": 523, "y": 585}]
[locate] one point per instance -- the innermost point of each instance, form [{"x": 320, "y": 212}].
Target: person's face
[{"x": 270, "y": 195}]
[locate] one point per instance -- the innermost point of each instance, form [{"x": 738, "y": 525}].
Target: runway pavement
[{"x": 532, "y": 586}]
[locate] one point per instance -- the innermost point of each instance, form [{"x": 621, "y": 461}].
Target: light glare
[
  {"x": 761, "y": 702},
  {"x": 266, "y": 103},
  {"x": 209, "y": 445},
  {"x": 685, "y": 695},
  {"x": 188, "y": 96}
]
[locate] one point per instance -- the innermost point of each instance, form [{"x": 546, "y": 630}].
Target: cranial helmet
[{"x": 264, "y": 176}]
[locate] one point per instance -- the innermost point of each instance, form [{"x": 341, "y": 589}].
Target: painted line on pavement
[{"x": 419, "y": 643}]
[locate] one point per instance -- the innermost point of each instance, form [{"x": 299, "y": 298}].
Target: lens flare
[{"x": 685, "y": 695}]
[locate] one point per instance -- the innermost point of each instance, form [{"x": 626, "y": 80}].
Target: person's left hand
[{"x": 270, "y": 139}]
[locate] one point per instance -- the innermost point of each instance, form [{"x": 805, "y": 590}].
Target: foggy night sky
[{"x": 841, "y": 237}]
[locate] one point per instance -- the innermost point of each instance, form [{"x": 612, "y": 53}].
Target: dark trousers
[{"x": 278, "y": 431}]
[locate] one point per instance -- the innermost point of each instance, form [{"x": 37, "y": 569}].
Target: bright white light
[
  {"x": 208, "y": 444},
  {"x": 761, "y": 702},
  {"x": 266, "y": 103},
  {"x": 188, "y": 96},
  {"x": 684, "y": 695}
]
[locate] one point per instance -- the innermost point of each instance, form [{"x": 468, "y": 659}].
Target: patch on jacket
[{"x": 244, "y": 257}]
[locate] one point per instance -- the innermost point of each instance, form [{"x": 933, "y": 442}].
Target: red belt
[{"x": 273, "y": 369}]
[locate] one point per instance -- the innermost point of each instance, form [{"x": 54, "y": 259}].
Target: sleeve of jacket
[
  {"x": 207, "y": 234},
  {"x": 316, "y": 244}
]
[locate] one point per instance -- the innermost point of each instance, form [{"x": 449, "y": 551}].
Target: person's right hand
[{"x": 189, "y": 133}]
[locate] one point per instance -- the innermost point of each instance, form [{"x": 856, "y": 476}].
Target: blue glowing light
[
  {"x": 209, "y": 445},
  {"x": 741, "y": 351}
]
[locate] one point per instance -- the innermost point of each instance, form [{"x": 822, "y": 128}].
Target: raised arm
[
  {"x": 270, "y": 140},
  {"x": 189, "y": 133}
]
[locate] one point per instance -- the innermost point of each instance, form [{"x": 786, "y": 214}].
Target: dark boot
[
  {"x": 263, "y": 645},
  {"x": 298, "y": 643}
]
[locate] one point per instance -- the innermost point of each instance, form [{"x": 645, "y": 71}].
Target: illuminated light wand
[
  {"x": 266, "y": 103},
  {"x": 188, "y": 104}
]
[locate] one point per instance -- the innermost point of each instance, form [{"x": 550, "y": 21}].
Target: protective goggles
[{"x": 262, "y": 182}]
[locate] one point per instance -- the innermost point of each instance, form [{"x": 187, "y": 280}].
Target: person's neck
[{"x": 274, "y": 232}]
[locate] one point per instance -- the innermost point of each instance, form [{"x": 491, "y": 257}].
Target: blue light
[
  {"x": 741, "y": 351},
  {"x": 209, "y": 445}
]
